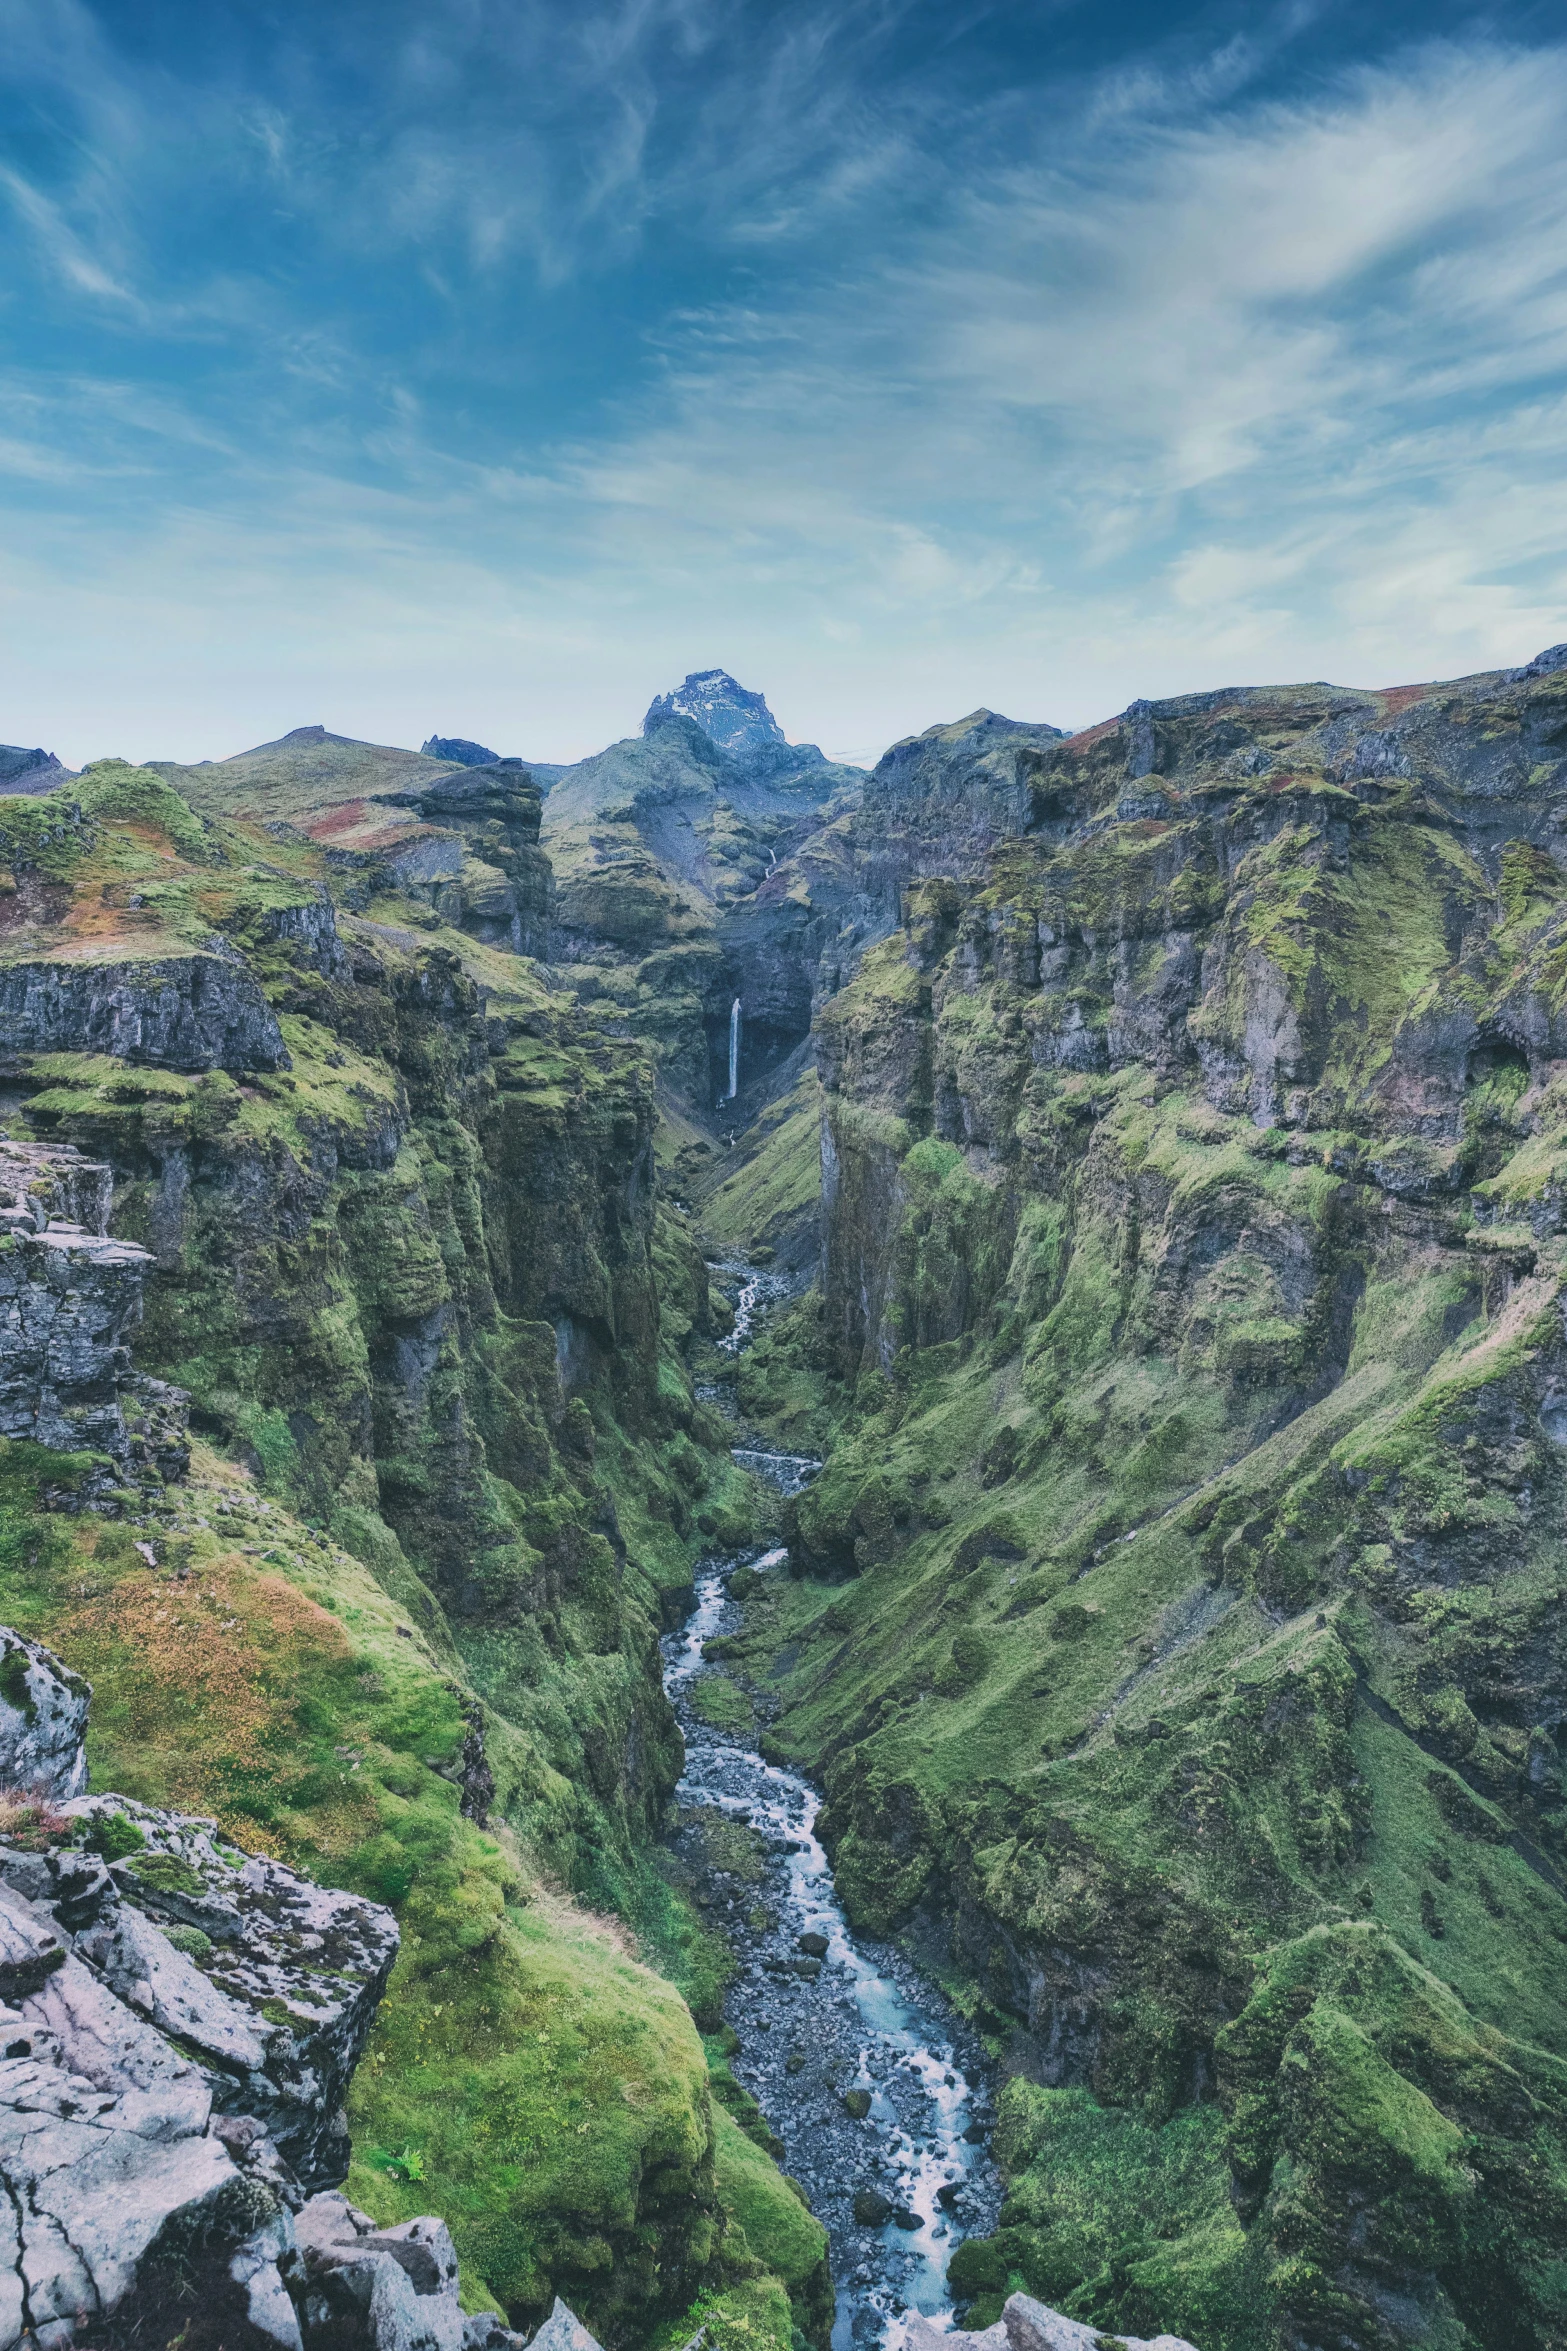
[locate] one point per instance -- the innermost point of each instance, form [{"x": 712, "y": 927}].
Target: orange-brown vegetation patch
[
  {"x": 1090, "y": 736},
  {"x": 1392, "y": 699},
  {"x": 200, "y": 1679},
  {"x": 362, "y": 824}
]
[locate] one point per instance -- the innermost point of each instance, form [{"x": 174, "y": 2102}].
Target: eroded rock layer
[{"x": 1181, "y": 1644}]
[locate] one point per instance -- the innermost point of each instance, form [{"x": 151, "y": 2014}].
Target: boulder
[
  {"x": 368, "y": 2288},
  {"x": 280, "y": 2007},
  {"x": 1027, "y": 2325},
  {"x": 563, "y": 2331},
  {"x": 1032, "y": 2326},
  {"x": 43, "y": 1721}
]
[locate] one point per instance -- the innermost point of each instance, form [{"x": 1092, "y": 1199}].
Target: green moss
[{"x": 1120, "y": 2223}]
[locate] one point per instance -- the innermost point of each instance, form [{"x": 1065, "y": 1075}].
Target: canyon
[{"x": 1146, "y": 1149}]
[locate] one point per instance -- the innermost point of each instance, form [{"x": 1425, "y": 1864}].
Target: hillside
[
  {"x": 381, "y": 1209},
  {"x": 662, "y": 847},
  {"x": 1152, "y": 1180},
  {"x": 1177, "y": 1628}
]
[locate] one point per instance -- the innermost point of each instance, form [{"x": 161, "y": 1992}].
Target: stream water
[{"x": 829, "y": 2021}]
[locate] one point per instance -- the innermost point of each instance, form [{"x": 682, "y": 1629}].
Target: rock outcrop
[
  {"x": 31, "y": 771},
  {"x": 1027, "y": 2325},
  {"x": 43, "y": 1721},
  {"x": 458, "y": 751},
  {"x": 737, "y": 721},
  {"x": 196, "y": 1011},
  {"x": 178, "y": 2025},
  {"x": 501, "y": 886},
  {"x": 70, "y": 1296}
]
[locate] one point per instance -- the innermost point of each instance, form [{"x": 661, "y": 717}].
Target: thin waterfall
[{"x": 734, "y": 1050}]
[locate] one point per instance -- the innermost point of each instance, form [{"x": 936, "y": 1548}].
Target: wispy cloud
[
  {"x": 826, "y": 342},
  {"x": 64, "y": 252}
]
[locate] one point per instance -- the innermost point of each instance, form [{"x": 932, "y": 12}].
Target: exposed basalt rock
[
  {"x": 70, "y": 1296},
  {"x": 167, "y": 2083},
  {"x": 1027, "y": 2325},
  {"x": 30, "y": 771},
  {"x": 498, "y": 882},
  {"x": 191, "y": 1012},
  {"x": 459, "y": 751},
  {"x": 279, "y": 2008},
  {"x": 178, "y": 2024},
  {"x": 43, "y": 1720}
]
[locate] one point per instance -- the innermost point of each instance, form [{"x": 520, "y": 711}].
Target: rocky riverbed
[{"x": 877, "y": 2090}]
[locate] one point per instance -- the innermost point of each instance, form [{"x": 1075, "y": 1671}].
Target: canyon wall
[{"x": 1181, "y": 1643}]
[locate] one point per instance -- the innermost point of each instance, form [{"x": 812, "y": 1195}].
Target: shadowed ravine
[{"x": 841, "y": 2015}]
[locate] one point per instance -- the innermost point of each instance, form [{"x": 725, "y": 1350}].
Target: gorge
[{"x": 1134, "y": 1160}]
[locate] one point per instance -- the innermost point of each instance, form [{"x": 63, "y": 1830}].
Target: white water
[
  {"x": 868, "y": 2021},
  {"x": 734, "y": 1050},
  {"x": 919, "y": 2137}
]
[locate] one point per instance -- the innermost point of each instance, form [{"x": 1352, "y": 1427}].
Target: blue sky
[{"x": 483, "y": 368}]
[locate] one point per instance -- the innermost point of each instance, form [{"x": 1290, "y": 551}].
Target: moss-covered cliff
[
  {"x": 402, "y": 1626},
  {"x": 1180, "y": 1639}
]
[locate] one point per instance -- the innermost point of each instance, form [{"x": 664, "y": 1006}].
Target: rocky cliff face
[
  {"x": 458, "y": 750},
  {"x": 663, "y": 847},
  {"x": 738, "y": 722},
  {"x": 181, "y": 2023},
  {"x": 1184, "y": 1663},
  {"x": 414, "y": 1276},
  {"x": 70, "y": 1297},
  {"x": 29, "y": 771}
]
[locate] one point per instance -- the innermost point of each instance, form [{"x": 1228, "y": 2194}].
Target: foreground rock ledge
[
  {"x": 1027, "y": 2325},
  {"x": 179, "y": 2022}
]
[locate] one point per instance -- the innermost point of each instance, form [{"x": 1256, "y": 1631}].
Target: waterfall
[{"x": 734, "y": 1050}]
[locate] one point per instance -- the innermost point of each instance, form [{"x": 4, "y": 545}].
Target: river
[{"x": 829, "y": 2022}]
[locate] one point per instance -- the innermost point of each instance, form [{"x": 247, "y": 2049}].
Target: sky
[{"x": 480, "y": 367}]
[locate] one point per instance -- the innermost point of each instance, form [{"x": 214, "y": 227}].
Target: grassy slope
[
  {"x": 1152, "y": 1683},
  {"x": 528, "y": 2078}
]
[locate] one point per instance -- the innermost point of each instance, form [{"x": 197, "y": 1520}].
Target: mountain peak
[
  {"x": 458, "y": 751},
  {"x": 30, "y": 770},
  {"x": 737, "y": 720}
]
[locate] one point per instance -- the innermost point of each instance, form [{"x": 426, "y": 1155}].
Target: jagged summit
[
  {"x": 33, "y": 770},
  {"x": 738, "y": 721},
  {"x": 457, "y": 751}
]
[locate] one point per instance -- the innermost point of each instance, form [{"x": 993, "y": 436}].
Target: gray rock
[
  {"x": 193, "y": 1012},
  {"x": 279, "y": 1942},
  {"x": 261, "y": 2268},
  {"x": 151, "y": 2102},
  {"x": 1032, "y": 2326},
  {"x": 158, "y": 2092},
  {"x": 92, "y": 2178},
  {"x": 459, "y": 751},
  {"x": 563, "y": 2331},
  {"x": 373, "y": 2289},
  {"x": 70, "y": 1296},
  {"x": 366, "y": 2302},
  {"x": 485, "y": 2332},
  {"x": 310, "y": 930},
  {"x": 424, "y": 2248},
  {"x": 31, "y": 771},
  {"x": 43, "y": 1720},
  {"x": 30, "y": 1950},
  {"x": 920, "y": 2335}
]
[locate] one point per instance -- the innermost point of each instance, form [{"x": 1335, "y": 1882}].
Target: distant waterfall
[{"x": 734, "y": 1050}]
